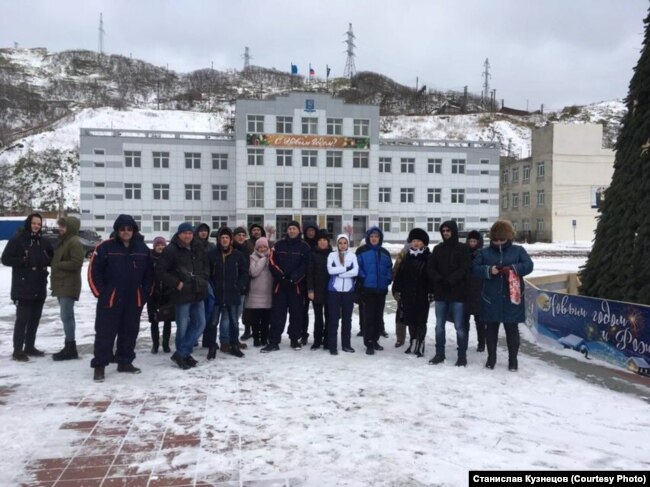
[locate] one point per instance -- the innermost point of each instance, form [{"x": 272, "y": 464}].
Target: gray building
[{"x": 302, "y": 156}]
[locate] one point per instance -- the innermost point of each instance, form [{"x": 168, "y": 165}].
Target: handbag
[
  {"x": 166, "y": 312},
  {"x": 514, "y": 286}
]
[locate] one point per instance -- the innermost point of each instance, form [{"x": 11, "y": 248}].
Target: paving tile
[
  {"x": 132, "y": 470},
  {"x": 48, "y": 475},
  {"x": 91, "y": 461},
  {"x": 140, "y": 481},
  {"x": 171, "y": 482},
  {"x": 48, "y": 463},
  {"x": 79, "y": 483},
  {"x": 99, "y": 406},
  {"x": 78, "y": 425},
  {"x": 97, "y": 472}
]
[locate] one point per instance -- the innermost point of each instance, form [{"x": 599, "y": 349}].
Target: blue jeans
[
  {"x": 457, "y": 311},
  {"x": 66, "y": 309},
  {"x": 190, "y": 323},
  {"x": 229, "y": 332}
]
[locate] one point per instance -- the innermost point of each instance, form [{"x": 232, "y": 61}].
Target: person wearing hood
[
  {"x": 502, "y": 265},
  {"x": 413, "y": 290},
  {"x": 158, "y": 308},
  {"x": 28, "y": 255},
  {"x": 448, "y": 268},
  {"x": 240, "y": 244},
  {"x": 184, "y": 269},
  {"x": 343, "y": 268},
  {"x": 66, "y": 281},
  {"x": 474, "y": 288},
  {"x": 317, "y": 280},
  {"x": 288, "y": 264},
  {"x": 255, "y": 231},
  {"x": 120, "y": 275},
  {"x": 202, "y": 235},
  {"x": 310, "y": 236},
  {"x": 229, "y": 276},
  {"x": 375, "y": 275},
  {"x": 258, "y": 301}
]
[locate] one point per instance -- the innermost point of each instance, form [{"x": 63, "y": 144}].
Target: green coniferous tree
[{"x": 619, "y": 263}]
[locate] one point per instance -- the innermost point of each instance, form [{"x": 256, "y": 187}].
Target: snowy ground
[{"x": 386, "y": 420}]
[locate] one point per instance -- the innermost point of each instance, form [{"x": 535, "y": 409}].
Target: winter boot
[
  {"x": 512, "y": 364},
  {"x": 247, "y": 333},
  {"x": 419, "y": 348},
  {"x": 155, "y": 340},
  {"x": 128, "y": 368},
  {"x": 98, "y": 374},
  {"x": 270, "y": 348},
  {"x": 33, "y": 352},
  {"x": 235, "y": 351},
  {"x": 370, "y": 350},
  {"x": 410, "y": 347},
  {"x": 461, "y": 361},
  {"x": 191, "y": 361},
  {"x": 180, "y": 361},
  {"x": 225, "y": 348},
  {"x": 295, "y": 344},
  {"x": 20, "y": 356},
  {"x": 212, "y": 352},
  {"x": 438, "y": 358},
  {"x": 481, "y": 347},
  {"x": 167, "y": 331},
  {"x": 69, "y": 352},
  {"x": 491, "y": 362}
]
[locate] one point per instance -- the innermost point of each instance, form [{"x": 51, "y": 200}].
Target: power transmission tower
[
  {"x": 486, "y": 80},
  {"x": 247, "y": 58},
  {"x": 350, "y": 68},
  {"x": 101, "y": 33}
]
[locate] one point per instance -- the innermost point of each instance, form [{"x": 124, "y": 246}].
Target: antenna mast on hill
[
  {"x": 101, "y": 33},
  {"x": 350, "y": 68},
  {"x": 486, "y": 83},
  {"x": 247, "y": 58}
]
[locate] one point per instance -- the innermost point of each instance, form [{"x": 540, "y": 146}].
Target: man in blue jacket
[
  {"x": 120, "y": 275},
  {"x": 288, "y": 264},
  {"x": 375, "y": 275}
]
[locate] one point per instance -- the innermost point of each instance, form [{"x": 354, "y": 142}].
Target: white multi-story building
[
  {"x": 554, "y": 195},
  {"x": 303, "y": 156}
]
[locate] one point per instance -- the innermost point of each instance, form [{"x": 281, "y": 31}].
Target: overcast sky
[{"x": 555, "y": 52}]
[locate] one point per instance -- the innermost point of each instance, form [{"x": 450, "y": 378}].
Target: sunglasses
[{"x": 126, "y": 229}]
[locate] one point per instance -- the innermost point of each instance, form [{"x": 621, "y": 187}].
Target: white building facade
[{"x": 303, "y": 156}]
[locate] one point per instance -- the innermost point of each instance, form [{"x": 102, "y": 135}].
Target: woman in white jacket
[{"x": 343, "y": 268}]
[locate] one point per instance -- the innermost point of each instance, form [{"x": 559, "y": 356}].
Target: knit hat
[
  {"x": 261, "y": 242},
  {"x": 239, "y": 230},
  {"x": 343, "y": 236},
  {"x": 159, "y": 241},
  {"x": 293, "y": 223},
  {"x": 224, "y": 231},
  {"x": 185, "y": 227},
  {"x": 502, "y": 230},
  {"x": 419, "y": 234},
  {"x": 322, "y": 233}
]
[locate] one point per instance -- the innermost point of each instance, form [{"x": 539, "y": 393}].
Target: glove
[
  {"x": 505, "y": 270},
  {"x": 350, "y": 267},
  {"x": 397, "y": 295},
  {"x": 430, "y": 297}
]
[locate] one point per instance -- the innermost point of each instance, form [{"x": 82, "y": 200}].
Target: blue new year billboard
[{"x": 614, "y": 331}]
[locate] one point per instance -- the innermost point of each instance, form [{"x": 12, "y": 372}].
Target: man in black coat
[
  {"x": 310, "y": 236},
  {"x": 240, "y": 244},
  {"x": 448, "y": 268},
  {"x": 28, "y": 255},
  {"x": 474, "y": 290},
  {"x": 317, "y": 280},
  {"x": 229, "y": 276},
  {"x": 184, "y": 268}
]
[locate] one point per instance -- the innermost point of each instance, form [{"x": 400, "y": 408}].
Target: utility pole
[
  {"x": 350, "y": 68},
  {"x": 101, "y": 34},
  {"x": 464, "y": 98}
]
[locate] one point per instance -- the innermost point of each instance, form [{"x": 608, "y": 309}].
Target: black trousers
[
  {"x": 340, "y": 308},
  {"x": 28, "y": 316},
  {"x": 286, "y": 300},
  {"x": 373, "y": 316},
  {"x": 259, "y": 319},
  {"x": 155, "y": 332},
  {"x": 321, "y": 317},
  {"x": 512, "y": 339},
  {"x": 122, "y": 321},
  {"x": 305, "y": 319},
  {"x": 480, "y": 326}
]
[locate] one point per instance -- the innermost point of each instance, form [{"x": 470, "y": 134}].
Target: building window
[
  {"x": 407, "y": 164},
  {"x": 161, "y": 223},
  {"x": 255, "y": 195},
  {"x": 515, "y": 201},
  {"x": 485, "y": 161},
  {"x": 360, "y": 160},
  {"x": 219, "y": 221},
  {"x": 435, "y": 166},
  {"x": 525, "y": 176},
  {"x": 284, "y": 157},
  {"x": 433, "y": 224},
  {"x": 160, "y": 191},
  {"x": 504, "y": 202},
  {"x": 360, "y": 194},
  {"x": 540, "y": 197},
  {"x": 406, "y": 224},
  {"x": 540, "y": 224},
  {"x": 334, "y": 126},
  {"x": 384, "y": 164},
  {"x": 192, "y": 160},
  {"x": 384, "y": 195},
  {"x": 99, "y": 185},
  {"x": 525, "y": 199},
  {"x": 100, "y": 217},
  {"x": 192, "y": 220},
  {"x": 458, "y": 196},
  {"x": 334, "y": 158},
  {"x": 220, "y": 162},
  {"x": 283, "y": 195},
  {"x": 284, "y": 125},
  {"x": 132, "y": 158},
  {"x": 220, "y": 192},
  {"x": 99, "y": 152},
  {"x": 361, "y": 128},
  {"x": 515, "y": 174},
  {"x": 99, "y": 164},
  {"x": 504, "y": 176},
  {"x": 193, "y": 192},
  {"x": 515, "y": 227},
  {"x": 485, "y": 172},
  {"x": 99, "y": 196},
  {"x": 484, "y": 190},
  {"x": 407, "y": 195},
  {"x": 460, "y": 223},
  {"x": 309, "y": 158},
  {"x": 334, "y": 196},
  {"x": 255, "y": 124},
  {"x": 434, "y": 195},
  {"x": 384, "y": 223},
  {"x": 160, "y": 160},
  {"x": 132, "y": 191},
  {"x": 525, "y": 225},
  {"x": 255, "y": 157},
  {"x": 309, "y": 125},
  {"x": 484, "y": 202},
  {"x": 458, "y": 166},
  {"x": 540, "y": 170},
  {"x": 309, "y": 195}
]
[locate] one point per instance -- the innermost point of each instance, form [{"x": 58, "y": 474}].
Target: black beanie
[
  {"x": 420, "y": 234},
  {"x": 293, "y": 223},
  {"x": 224, "y": 231}
]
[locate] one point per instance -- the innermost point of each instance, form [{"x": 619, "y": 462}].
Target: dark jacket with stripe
[{"x": 288, "y": 264}]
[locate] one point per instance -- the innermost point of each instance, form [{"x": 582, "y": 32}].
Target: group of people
[{"x": 207, "y": 288}]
